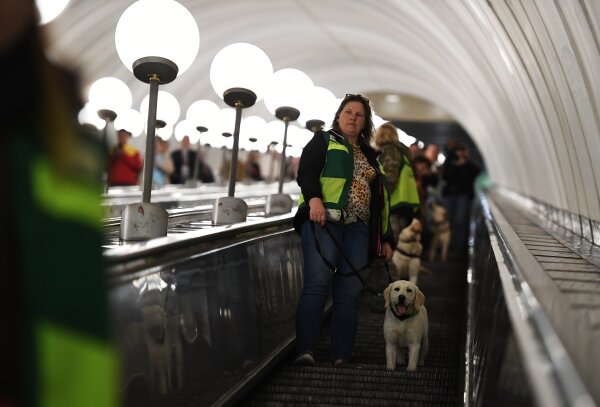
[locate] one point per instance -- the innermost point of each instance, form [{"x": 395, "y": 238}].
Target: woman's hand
[
  {"x": 387, "y": 251},
  {"x": 317, "y": 211}
]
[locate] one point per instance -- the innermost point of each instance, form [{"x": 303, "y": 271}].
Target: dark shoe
[{"x": 305, "y": 359}]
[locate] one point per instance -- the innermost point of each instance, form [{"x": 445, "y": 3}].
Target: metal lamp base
[
  {"x": 165, "y": 69},
  {"x": 107, "y": 115},
  {"x": 278, "y": 204},
  {"x": 143, "y": 221},
  {"x": 242, "y": 96},
  {"x": 287, "y": 113},
  {"x": 228, "y": 210}
]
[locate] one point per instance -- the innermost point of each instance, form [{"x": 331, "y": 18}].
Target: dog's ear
[
  {"x": 419, "y": 299},
  {"x": 386, "y": 295}
]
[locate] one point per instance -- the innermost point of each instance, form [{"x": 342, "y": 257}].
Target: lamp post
[
  {"x": 282, "y": 203},
  {"x": 201, "y": 129},
  {"x": 234, "y": 86},
  {"x": 203, "y": 115},
  {"x": 109, "y": 117},
  {"x": 315, "y": 125},
  {"x": 155, "y": 57},
  {"x": 286, "y": 89}
]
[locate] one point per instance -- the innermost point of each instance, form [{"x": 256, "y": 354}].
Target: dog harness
[{"x": 414, "y": 256}]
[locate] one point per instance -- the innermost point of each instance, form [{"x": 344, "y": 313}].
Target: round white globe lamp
[
  {"x": 156, "y": 40},
  {"x": 317, "y": 105},
  {"x": 87, "y": 115},
  {"x": 165, "y": 132},
  {"x": 287, "y": 87},
  {"x": 130, "y": 120},
  {"x": 110, "y": 94},
  {"x": 186, "y": 128},
  {"x": 203, "y": 113},
  {"x": 157, "y": 37},
  {"x": 240, "y": 65},
  {"x": 50, "y": 9}
]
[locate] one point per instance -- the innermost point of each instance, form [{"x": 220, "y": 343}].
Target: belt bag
[{"x": 334, "y": 215}]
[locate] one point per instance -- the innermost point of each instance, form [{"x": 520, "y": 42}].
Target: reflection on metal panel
[{"x": 199, "y": 325}]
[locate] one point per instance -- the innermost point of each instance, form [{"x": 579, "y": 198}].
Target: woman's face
[{"x": 352, "y": 119}]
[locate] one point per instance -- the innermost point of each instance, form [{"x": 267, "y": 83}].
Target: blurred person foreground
[{"x": 55, "y": 343}]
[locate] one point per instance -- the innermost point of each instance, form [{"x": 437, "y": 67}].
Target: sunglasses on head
[{"x": 357, "y": 96}]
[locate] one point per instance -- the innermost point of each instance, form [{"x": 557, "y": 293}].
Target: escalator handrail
[{"x": 559, "y": 384}]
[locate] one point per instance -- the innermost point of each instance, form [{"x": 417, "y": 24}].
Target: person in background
[
  {"x": 225, "y": 168},
  {"x": 124, "y": 162},
  {"x": 459, "y": 175},
  {"x": 184, "y": 161},
  {"x": 204, "y": 172},
  {"x": 56, "y": 345},
  {"x": 402, "y": 187},
  {"x": 343, "y": 221},
  {"x": 163, "y": 165},
  {"x": 252, "y": 167},
  {"x": 415, "y": 150}
]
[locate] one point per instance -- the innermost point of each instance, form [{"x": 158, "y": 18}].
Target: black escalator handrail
[
  {"x": 144, "y": 256},
  {"x": 561, "y": 385}
]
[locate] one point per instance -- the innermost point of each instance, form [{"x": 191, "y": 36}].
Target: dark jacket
[
  {"x": 311, "y": 165},
  {"x": 204, "y": 172}
]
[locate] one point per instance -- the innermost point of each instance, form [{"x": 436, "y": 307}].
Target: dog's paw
[
  {"x": 388, "y": 367},
  {"x": 411, "y": 369}
]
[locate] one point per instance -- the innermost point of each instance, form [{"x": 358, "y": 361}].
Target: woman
[
  {"x": 344, "y": 208},
  {"x": 402, "y": 187}
]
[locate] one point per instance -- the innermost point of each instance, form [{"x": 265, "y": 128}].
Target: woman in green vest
[
  {"x": 402, "y": 187},
  {"x": 343, "y": 221}
]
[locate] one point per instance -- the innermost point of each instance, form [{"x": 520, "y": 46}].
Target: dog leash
[{"x": 334, "y": 268}]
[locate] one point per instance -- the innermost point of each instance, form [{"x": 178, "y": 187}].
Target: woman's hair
[
  {"x": 367, "y": 132},
  {"x": 385, "y": 134}
]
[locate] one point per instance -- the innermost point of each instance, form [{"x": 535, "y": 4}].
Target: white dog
[
  {"x": 440, "y": 228},
  {"x": 407, "y": 256},
  {"x": 405, "y": 325}
]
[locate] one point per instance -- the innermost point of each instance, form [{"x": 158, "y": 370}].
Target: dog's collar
[
  {"x": 407, "y": 254},
  {"x": 404, "y": 316}
]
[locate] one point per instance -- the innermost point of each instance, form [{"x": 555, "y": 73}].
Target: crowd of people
[
  {"x": 125, "y": 163},
  {"x": 188, "y": 166}
]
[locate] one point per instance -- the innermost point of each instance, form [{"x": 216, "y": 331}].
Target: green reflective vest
[
  {"x": 336, "y": 178},
  {"x": 406, "y": 192}
]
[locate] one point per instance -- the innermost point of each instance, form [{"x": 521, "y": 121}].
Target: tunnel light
[
  {"x": 287, "y": 87},
  {"x": 110, "y": 93},
  {"x": 240, "y": 65},
  {"x": 130, "y": 120},
  {"x": 50, "y": 9},
  {"x": 157, "y": 28}
]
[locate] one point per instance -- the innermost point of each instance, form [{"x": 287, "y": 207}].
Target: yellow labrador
[
  {"x": 440, "y": 228},
  {"x": 405, "y": 325},
  {"x": 407, "y": 256}
]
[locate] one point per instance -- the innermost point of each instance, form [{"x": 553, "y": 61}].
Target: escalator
[{"x": 366, "y": 381}]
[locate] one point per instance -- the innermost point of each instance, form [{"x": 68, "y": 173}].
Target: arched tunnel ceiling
[{"x": 522, "y": 77}]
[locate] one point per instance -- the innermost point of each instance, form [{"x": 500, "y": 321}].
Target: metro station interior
[{"x": 200, "y": 281}]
